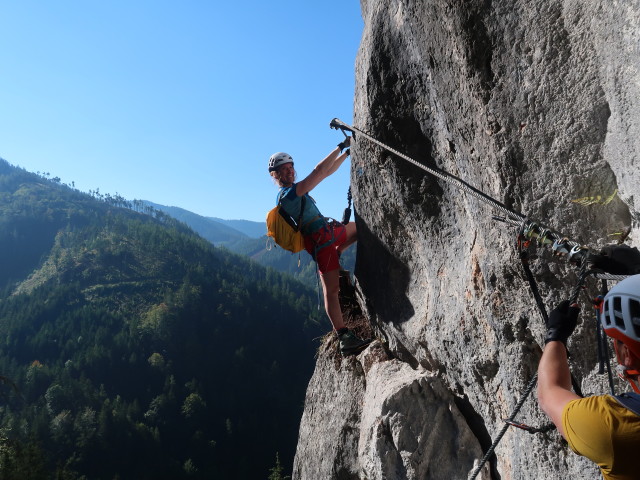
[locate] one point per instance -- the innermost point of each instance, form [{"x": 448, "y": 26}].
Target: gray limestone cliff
[{"x": 536, "y": 103}]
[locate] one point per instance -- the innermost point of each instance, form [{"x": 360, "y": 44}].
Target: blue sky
[{"x": 178, "y": 102}]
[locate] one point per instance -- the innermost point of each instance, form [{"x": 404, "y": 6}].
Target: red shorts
[{"x": 326, "y": 257}]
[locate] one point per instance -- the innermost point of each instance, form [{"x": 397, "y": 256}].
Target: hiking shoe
[{"x": 350, "y": 343}]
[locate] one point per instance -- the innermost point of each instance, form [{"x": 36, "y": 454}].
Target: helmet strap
[
  {"x": 633, "y": 381},
  {"x": 630, "y": 375}
]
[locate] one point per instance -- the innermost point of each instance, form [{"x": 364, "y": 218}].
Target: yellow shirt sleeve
[{"x": 604, "y": 431}]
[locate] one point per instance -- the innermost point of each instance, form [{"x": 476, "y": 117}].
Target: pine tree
[{"x": 276, "y": 473}]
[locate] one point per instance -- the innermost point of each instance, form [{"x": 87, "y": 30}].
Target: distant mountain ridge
[
  {"x": 249, "y": 228},
  {"x": 217, "y": 232}
]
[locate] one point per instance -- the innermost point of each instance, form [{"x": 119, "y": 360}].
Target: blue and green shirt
[{"x": 312, "y": 219}]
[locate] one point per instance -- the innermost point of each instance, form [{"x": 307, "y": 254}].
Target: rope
[
  {"x": 609, "y": 276},
  {"x": 505, "y": 427},
  {"x": 441, "y": 174},
  {"x": 582, "y": 278},
  {"x": 524, "y": 258},
  {"x": 561, "y": 245},
  {"x": 603, "y": 346}
]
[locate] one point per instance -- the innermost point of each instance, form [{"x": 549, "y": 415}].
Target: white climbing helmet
[
  {"x": 621, "y": 313},
  {"x": 277, "y": 159}
]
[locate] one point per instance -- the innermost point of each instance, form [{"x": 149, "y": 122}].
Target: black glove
[
  {"x": 344, "y": 144},
  {"x": 617, "y": 260},
  {"x": 562, "y": 322}
]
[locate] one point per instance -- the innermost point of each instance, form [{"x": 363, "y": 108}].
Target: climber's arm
[
  {"x": 554, "y": 382},
  {"x": 326, "y": 167}
]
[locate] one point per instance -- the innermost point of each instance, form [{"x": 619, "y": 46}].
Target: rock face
[{"x": 534, "y": 103}]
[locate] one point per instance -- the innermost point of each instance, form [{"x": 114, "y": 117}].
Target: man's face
[
  {"x": 626, "y": 357},
  {"x": 287, "y": 173}
]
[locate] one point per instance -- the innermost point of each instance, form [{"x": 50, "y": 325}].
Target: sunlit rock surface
[{"x": 536, "y": 104}]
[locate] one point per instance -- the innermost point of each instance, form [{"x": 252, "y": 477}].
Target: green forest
[{"x": 132, "y": 348}]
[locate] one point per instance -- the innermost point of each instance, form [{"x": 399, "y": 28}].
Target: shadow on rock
[{"x": 383, "y": 279}]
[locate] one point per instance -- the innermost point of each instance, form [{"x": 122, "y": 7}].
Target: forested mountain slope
[
  {"x": 137, "y": 349},
  {"x": 212, "y": 230}
]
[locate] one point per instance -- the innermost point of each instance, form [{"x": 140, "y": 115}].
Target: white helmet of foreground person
[
  {"x": 621, "y": 314},
  {"x": 277, "y": 159}
]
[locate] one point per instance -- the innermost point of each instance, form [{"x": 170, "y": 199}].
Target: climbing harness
[{"x": 529, "y": 230}]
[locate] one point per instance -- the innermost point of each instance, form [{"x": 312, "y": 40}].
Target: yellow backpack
[{"x": 284, "y": 229}]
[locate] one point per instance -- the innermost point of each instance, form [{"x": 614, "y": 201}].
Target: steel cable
[{"x": 441, "y": 174}]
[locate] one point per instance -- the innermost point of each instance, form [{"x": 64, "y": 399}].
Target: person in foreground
[
  {"x": 603, "y": 428},
  {"x": 324, "y": 240}
]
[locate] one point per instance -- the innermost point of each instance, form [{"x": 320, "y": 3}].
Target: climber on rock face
[
  {"x": 603, "y": 428},
  {"x": 324, "y": 240}
]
